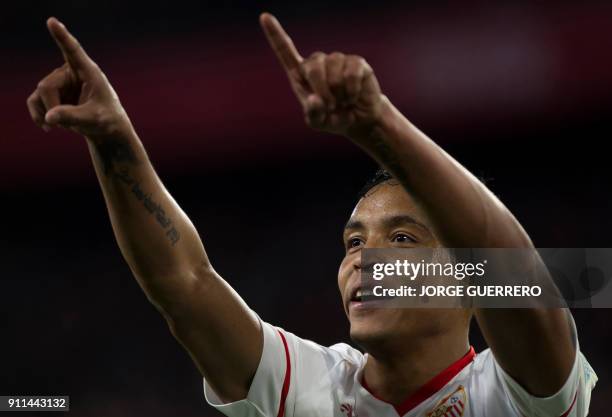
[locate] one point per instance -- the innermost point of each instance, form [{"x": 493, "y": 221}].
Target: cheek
[{"x": 344, "y": 271}]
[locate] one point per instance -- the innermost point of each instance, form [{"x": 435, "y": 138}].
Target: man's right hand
[{"x": 77, "y": 95}]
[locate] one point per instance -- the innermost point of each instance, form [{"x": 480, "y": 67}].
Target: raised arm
[
  {"x": 340, "y": 94},
  {"x": 159, "y": 243}
]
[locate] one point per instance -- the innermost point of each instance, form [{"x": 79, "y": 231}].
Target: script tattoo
[
  {"x": 389, "y": 156},
  {"x": 116, "y": 157}
]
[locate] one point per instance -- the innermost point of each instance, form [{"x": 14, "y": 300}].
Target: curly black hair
[
  {"x": 379, "y": 177},
  {"x": 383, "y": 175}
]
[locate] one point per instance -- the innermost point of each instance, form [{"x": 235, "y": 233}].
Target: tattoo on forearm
[
  {"x": 115, "y": 155},
  {"x": 149, "y": 204},
  {"x": 113, "y": 152},
  {"x": 388, "y": 157}
]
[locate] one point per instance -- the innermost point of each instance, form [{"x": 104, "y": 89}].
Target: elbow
[{"x": 176, "y": 295}]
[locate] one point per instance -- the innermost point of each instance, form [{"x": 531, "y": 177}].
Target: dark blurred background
[{"x": 520, "y": 92}]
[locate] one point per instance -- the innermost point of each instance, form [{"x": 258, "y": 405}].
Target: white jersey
[{"x": 300, "y": 378}]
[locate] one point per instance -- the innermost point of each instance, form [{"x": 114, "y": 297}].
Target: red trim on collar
[{"x": 431, "y": 387}]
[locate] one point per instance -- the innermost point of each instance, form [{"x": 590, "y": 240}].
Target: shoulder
[
  {"x": 572, "y": 399},
  {"x": 314, "y": 355},
  {"x": 347, "y": 353},
  {"x": 292, "y": 371}
]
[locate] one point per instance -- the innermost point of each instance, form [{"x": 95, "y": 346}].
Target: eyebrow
[
  {"x": 391, "y": 221},
  {"x": 353, "y": 225}
]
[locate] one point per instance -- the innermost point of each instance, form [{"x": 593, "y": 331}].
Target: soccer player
[{"x": 418, "y": 362}]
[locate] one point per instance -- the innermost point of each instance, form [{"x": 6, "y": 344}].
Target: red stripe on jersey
[
  {"x": 287, "y": 380},
  {"x": 571, "y": 406},
  {"x": 432, "y": 386}
]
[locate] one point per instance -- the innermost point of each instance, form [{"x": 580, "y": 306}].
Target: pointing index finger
[
  {"x": 280, "y": 42},
  {"x": 73, "y": 53}
]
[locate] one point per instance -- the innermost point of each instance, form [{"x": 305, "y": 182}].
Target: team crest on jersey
[{"x": 451, "y": 406}]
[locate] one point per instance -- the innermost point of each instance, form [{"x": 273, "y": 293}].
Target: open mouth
[{"x": 363, "y": 294}]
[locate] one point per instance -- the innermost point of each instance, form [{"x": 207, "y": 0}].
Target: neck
[{"x": 398, "y": 370}]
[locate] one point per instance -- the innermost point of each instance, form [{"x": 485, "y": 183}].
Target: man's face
[{"x": 387, "y": 217}]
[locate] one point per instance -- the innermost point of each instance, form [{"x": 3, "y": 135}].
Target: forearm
[
  {"x": 533, "y": 345},
  {"x": 463, "y": 212},
  {"x": 156, "y": 238}
]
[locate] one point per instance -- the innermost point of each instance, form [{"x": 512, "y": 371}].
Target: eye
[
  {"x": 403, "y": 238},
  {"x": 354, "y": 242}
]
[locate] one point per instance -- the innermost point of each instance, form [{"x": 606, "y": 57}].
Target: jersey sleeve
[
  {"x": 270, "y": 386},
  {"x": 288, "y": 368},
  {"x": 572, "y": 400}
]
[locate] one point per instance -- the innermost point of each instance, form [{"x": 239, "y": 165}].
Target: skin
[
  {"x": 535, "y": 346},
  {"x": 388, "y": 217},
  {"x": 339, "y": 94}
]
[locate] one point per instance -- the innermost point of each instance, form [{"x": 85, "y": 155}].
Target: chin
[{"x": 369, "y": 332}]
